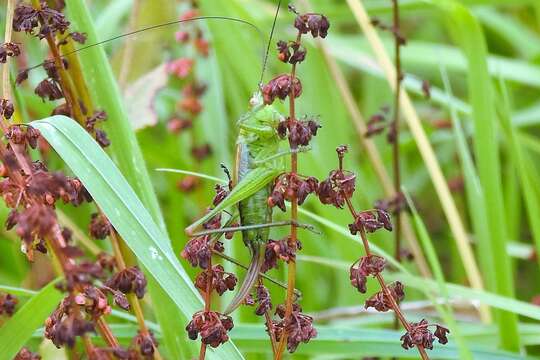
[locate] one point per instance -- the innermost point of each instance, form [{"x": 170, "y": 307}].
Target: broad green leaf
[
  {"x": 120, "y": 204},
  {"x": 15, "y": 332}
]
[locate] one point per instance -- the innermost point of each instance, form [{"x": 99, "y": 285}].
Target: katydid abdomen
[
  {"x": 253, "y": 211},
  {"x": 258, "y": 162}
]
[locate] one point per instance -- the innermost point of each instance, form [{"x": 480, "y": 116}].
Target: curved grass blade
[
  {"x": 129, "y": 217},
  {"x": 17, "y": 291},
  {"x": 128, "y": 156},
  {"x": 19, "y": 329}
]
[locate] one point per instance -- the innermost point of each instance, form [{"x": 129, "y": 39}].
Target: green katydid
[{"x": 258, "y": 162}]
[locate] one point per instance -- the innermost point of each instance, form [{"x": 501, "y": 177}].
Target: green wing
[{"x": 254, "y": 181}]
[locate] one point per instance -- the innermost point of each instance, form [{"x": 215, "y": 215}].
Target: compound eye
[{"x": 253, "y": 101}]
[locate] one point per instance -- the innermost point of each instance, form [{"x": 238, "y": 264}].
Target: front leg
[
  {"x": 254, "y": 181},
  {"x": 280, "y": 154}
]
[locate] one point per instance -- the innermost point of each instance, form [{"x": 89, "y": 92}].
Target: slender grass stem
[
  {"x": 76, "y": 73},
  {"x": 395, "y": 126},
  {"x": 129, "y": 47}
]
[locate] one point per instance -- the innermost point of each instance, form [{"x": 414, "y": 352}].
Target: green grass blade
[
  {"x": 121, "y": 205},
  {"x": 468, "y": 34},
  {"x": 17, "y": 291},
  {"x": 528, "y": 176},
  {"x": 436, "y": 268},
  {"x": 15, "y": 332},
  {"x": 474, "y": 192}
]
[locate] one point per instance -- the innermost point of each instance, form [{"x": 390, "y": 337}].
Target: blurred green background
[{"x": 490, "y": 53}]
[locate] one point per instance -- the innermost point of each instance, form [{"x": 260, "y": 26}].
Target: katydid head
[{"x": 256, "y": 102}]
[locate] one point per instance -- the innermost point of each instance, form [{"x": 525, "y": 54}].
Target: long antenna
[
  {"x": 265, "y": 60},
  {"x": 152, "y": 27}
]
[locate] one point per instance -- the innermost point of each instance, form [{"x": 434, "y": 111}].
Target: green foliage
[
  {"x": 482, "y": 60},
  {"x": 16, "y": 332}
]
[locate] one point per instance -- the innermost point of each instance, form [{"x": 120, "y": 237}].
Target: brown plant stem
[
  {"x": 395, "y": 127},
  {"x": 133, "y": 300},
  {"x": 88, "y": 346},
  {"x": 428, "y": 155},
  {"x": 75, "y": 71},
  {"x": 292, "y": 241},
  {"x": 269, "y": 325},
  {"x": 6, "y": 89},
  {"x": 395, "y": 133},
  {"x": 56, "y": 243},
  {"x": 106, "y": 332},
  {"x": 395, "y": 306},
  {"x": 65, "y": 81},
  {"x": 10, "y": 8},
  {"x": 370, "y": 148},
  {"x": 207, "y": 302}
]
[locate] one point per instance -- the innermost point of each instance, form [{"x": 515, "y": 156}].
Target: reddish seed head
[
  {"x": 181, "y": 67},
  {"x": 25, "y": 354},
  {"x": 280, "y": 87},
  {"x": 129, "y": 280},
  {"x": 211, "y": 326},
  {"x": 316, "y": 24},
  {"x": 381, "y": 302},
  {"x": 182, "y": 36},
  {"x": 366, "y": 266}
]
